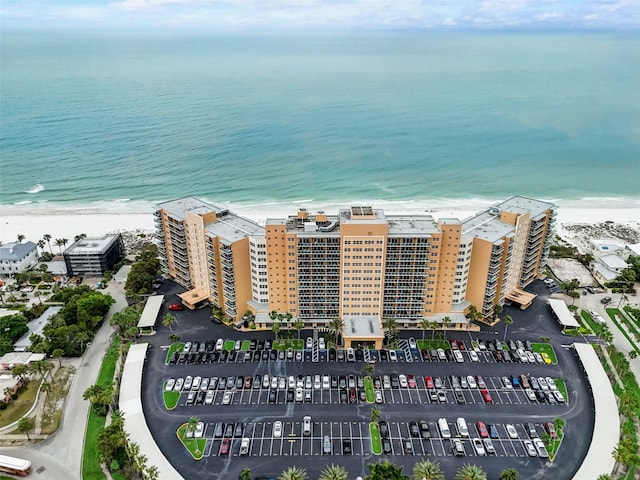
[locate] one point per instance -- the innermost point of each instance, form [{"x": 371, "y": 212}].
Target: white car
[
  {"x": 551, "y": 383},
  {"x": 543, "y": 383},
  {"x": 530, "y": 449},
  {"x": 379, "y": 396},
  {"x": 472, "y": 382},
  {"x": 457, "y": 354},
  {"x": 187, "y": 347},
  {"x": 530, "y": 394},
  {"x": 412, "y": 343},
  {"x": 317, "y": 383},
  {"x": 226, "y": 399},
  {"x": 478, "y": 446},
  {"x": 219, "y": 344},
  {"x": 187, "y": 382},
  {"x": 530, "y": 357},
  {"x": 299, "y": 395},
  {"x": 179, "y": 384},
  {"x": 321, "y": 344},
  {"x": 473, "y": 356},
  {"x": 393, "y": 356},
  {"x": 441, "y": 355},
  {"x": 169, "y": 385},
  {"x": 507, "y": 383},
  {"x": 488, "y": 446},
  {"x": 274, "y": 382},
  {"x": 292, "y": 381},
  {"x": 326, "y": 382},
  {"x": 209, "y": 398},
  {"x": 277, "y": 429},
  {"x": 538, "y": 358},
  {"x": 237, "y": 345},
  {"x": 282, "y": 383},
  {"x": 403, "y": 381},
  {"x": 539, "y": 444},
  {"x": 309, "y": 343},
  {"x": 199, "y": 430},
  {"x": 265, "y": 381},
  {"x": 559, "y": 396},
  {"x": 511, "y": 430}
]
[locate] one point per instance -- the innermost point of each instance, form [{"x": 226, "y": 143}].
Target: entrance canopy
[
  {"x": 191, "y": 298},
  {"x": 524, "y": 299},
  {"x": 361, "y": 328},
  {"x": 563, "y": 314}
]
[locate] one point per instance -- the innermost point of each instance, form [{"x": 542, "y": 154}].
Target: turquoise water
[{"x": 127, "y": 119}]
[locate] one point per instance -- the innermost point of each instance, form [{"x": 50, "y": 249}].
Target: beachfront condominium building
[
  {"x": 17, "y": 257},
  {"x": 359, "y": 265},
  {"x": 93, "y": 256}
]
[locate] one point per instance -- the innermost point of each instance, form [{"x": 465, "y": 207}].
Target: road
[{"x": 60, "y": 456}]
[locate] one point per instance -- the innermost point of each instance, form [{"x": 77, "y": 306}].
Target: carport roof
[
  {"x": 150, "y": 312},
  {"x": 606, "y": 430},
  {"x": 563, "y": 314}
]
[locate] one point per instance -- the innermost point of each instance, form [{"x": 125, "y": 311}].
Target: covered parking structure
[
  {"x": 147, "y": 322},
  {"x": 563, "y": 314},
  {"x": 606, "y": 429},
  {"x": 135, "y": 423}
]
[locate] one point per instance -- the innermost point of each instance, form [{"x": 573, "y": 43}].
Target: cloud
[{"x": 328, "y": 14}]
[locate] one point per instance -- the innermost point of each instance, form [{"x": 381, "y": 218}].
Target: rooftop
[
  {"x": 15, "y": 250},
  {"x": 362, "y": 326},
  {"x": 91, "y": 246},
  {"x": 35, "y": 326},
  {"x": 412, "y": 225}
]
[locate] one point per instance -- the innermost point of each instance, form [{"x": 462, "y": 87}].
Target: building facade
[
  {"x": 359, "y": 265},
  {"x": 93, "y": 256},
  {"x": 17, "y": 257}
]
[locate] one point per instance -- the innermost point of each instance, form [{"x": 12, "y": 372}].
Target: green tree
[
  {"x": 45, "y": 387},
  {"x": 604, "y": 476},
  {"x": 20, "y": 238},
  {"x": 275, "y": 328},
  {"x": 336, "y": 325},
  {"x": 143, "y": 272},
  {"x": 446, "y": 321},
  {"x": 26, "y": 425},
  {"x": 297, "y": 326},
  {"x": 41, "y": 245},
  {"x": 375, "y": 415},
  {"x": 245, "y": 474},
  {"x": 425, "y": 325},
  {"x": 369, "y": 369},
  {"x": 293, "y": 473},
  {"x": 427, "y": 470},
  {"x": 20, "y": 372},
  {"x": 152, "y": 473},
  {"x": 79, "y": 237},
  {"x": 168, "y": 320},
  {"x": 111, "y": 440},
  {"x": 47, "y": 238},
  {"x": 58, "y": 353},
  {"x": 192, "y": 424},
  {"x": 385, "y": 470},
  {"x": 497, "y": 310},
  {"x": 574, "y": 294},
  {"x": 334, "y": 472},
  {"x": 390, "y": 326},
  {"x": 471, "y": 472},
  {"x": 507, "y": 321},
  {"x": 126, "y": 319},
  {"x": 509, "y": 474}
]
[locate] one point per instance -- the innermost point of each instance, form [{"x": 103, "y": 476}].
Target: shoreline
[{"x": 67, "y": 224}]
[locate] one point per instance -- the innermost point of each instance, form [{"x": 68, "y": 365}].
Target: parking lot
[{"x": 341, "y": 412}]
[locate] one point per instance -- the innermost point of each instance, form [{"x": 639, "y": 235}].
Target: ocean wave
[
  {"x": 38, "y": 187},
  {"x": 23, "y": 202}
]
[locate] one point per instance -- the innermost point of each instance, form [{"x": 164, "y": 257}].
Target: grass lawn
[
  {"x": 588, "y": 319},
  {"x": 368, "y": 389},
  {"x": 245, "y": 345},
  {"x": 613, "y": 312},
  {"x": 21, "y": 405},
  {"x": 229, "y": 345},
  {"x": 562, "y": 388},
  {"x": 435, "y": 343},
  {"x": 175, "y": 347},
  {"x": 171, "y": 399},
  {"x": 376, "y": 441},
  {"x": 194, "y": 445},
  {"x": 91, "y": 465},
  {"x": 294, "y": 343},
  {"x": 547, "y": 348},
  {"x": 118, "y": 476},
  {"x": 553, "y": 447}
]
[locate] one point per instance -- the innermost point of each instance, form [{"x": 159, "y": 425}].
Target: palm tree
[
  {"x": 38, "y": 294},
  {"x": 434, "y": 326},
  {"x": 58, "y": 353},
  {"x": 47, "y": 238},
  {"x": 151, "y": 473},
  {"x": 333, "y": 472},
  {"x": 117, "y": 418},
  {"x": 59, "y": 243},
  {"x": 471, "y": 472},
  {"x": 336, "y": 325},
  {"x": 275, "y": 328},
  {"x": 385, "y": 471},
  {"x": 20, "y": 238},
  {"x": 509, "y": 474},
  {"x": 391, "y": 327},
  {"x": 375, "y": 415},
  {"x": 633, "y": 354},
  {"x": 192, "y": 424},
  {"x": 25, "y": 425},
  {"x": 446, "y": 321},
  {"x": 497, "y": 310},
  {"x": 297, "y": 326},
  {"x": 79, "y": 237},
  {"x": 604, "y": 476},
  {"x": 8, "y": 392},
  {"x": 474, "y": 314},
  {"x": 425, "y": 324},
  {"x": 293, "y": 473},
  {"x": 41, "y": 244},
  {"x": 245, "y": 474},
  {"x": 168, "y": 320},
  {"x": 507, "y": 321},
  {"x": 427, "y": 470},
  {"x": 369, "y": 369},
  {"x": 45, "y": 387}
]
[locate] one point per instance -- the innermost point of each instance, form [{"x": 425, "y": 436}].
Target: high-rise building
[{"x": 359, "y": 265}]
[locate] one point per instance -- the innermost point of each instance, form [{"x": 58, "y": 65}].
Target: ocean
[{"x": 114, "y": 122}]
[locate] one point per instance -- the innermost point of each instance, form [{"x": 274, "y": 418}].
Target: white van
[
  {"x": 461, "y": 424},
  {"x": 244, "y": 446},
  {"x": 306, "y": 425},
  {"x": 443, "y": 425}
]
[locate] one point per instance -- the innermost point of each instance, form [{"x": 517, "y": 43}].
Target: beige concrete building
[{"x": 359, "y": 265}]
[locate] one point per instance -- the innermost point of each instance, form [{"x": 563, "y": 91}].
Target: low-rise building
[
  {"x": 93, "y": 256},
  {"x": 17, "y": 257}
]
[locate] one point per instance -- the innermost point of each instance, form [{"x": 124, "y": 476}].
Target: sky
[{"x": 308, "y": 15}]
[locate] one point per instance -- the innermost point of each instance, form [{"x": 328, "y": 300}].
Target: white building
[{"x": 17, "y": 257}]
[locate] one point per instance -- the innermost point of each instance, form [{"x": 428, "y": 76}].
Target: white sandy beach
[{"x": 67, "y": 225}]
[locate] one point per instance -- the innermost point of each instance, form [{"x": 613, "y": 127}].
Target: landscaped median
[
  {"x": 171, "y": 397},
  {"x": 195, "y": 446},
  {"x": 175, "y": 347},
  {"x": 553, "y": 445},
  {"x": 368, "y": 389},
  {"x": 562, "y": 388},
  {"x": 292, "y": 343},
  {"x": 376, "y": 440},
  {"x": 545, "y": 348}
]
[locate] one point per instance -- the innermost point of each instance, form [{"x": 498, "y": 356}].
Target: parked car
[
  {"x": 176, "y": 307},
  {"x": 605, "y": 300},
  {"x": 530, "y": 449},
  {"x": 551, "y": 430},
  {"x": 277, "y": 429},
  {"x": 478, "y": 446},
  {"x": 424, "y": 429},
  {"x": 488, "y": 446},
  {"x": 511, "y": 430}
]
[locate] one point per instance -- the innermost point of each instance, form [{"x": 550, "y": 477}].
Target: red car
[
  {"x": 482, "y": 430},
  {"x": 486, "y": 396},
  {"x": 224, "y": 447},
  {"x": 428, "y": 381},
  {"x": 412, "y": 381},
  {"x": 176, "y": 307},
  {"x": 551, "y": 430}
]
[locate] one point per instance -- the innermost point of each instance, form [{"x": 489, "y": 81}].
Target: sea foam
[{"x": 38, "y": 187}]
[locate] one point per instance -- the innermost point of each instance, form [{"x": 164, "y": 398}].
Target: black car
[
  {"x": 232, "y": 355},
  {"x": 174, "y": 358},
  {"x": 273, "y": 354},
  {"x": 498, "y": 356},
  {"x": 394, "y": 381},
  {"x": 407, "y": 446},
  {"x": 527, "y": 345},
  {"x": 334, "y": 382},
  {"x": 342, "y": 381},
  {"x": 384, "y": 356},
  {"x": 359, "y": 356},
  {"x": 384, "y": 429},
  {"x": 424, "y": 429},
  {"x": 200, "y": 398},
  {"x": 267, "y": 344},
  {"x": 449, "y": 355},
  {"x": 224, "y": 356},
  {"x": 343, "y": 396},
  {"x": 260, "y": 344},
  {"x": 273, "y": 396},
  {"x": 413, "y": 429},
  {"x": 540, "y": 395},
  {"x": 386, "y": 445},
  {"x": 290, "y": 395},
  {"x": 253, "y": 344},
  {"x": 332, "y": 354},
  {"x": 346, "y": 446}
]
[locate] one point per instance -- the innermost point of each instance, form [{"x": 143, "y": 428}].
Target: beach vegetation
[
  {"x": 385, "y": 470},
  {"x": 143, "y": 273}
]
